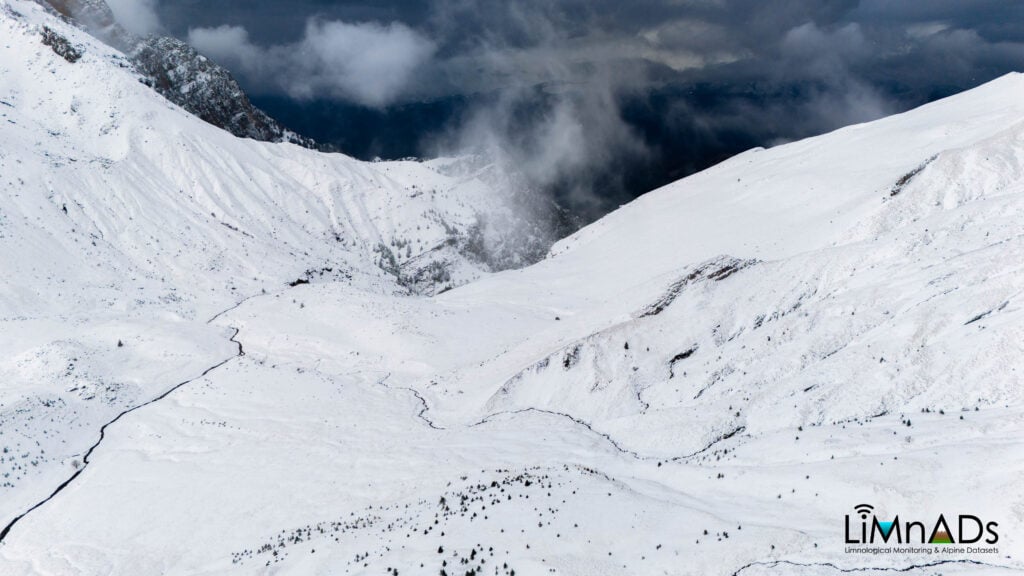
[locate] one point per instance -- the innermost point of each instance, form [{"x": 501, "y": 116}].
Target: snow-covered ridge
[
  {"x": 856, "y": 277},
  {"x": 108, "y": 182}
]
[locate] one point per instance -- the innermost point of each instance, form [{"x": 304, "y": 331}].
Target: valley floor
[{"x": 315, "y": 453}]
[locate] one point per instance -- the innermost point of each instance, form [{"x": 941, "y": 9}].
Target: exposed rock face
[
  {"x": 95, "y": 17},
  {"x": 180, "y": 74},
  {"x": 61, "y": 45},
  {"x": 194, "y": 82}
]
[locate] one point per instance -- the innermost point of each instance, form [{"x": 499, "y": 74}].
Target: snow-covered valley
[{"x": 222, "y": 356}]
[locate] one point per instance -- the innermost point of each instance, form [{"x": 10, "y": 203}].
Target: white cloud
[
  {"x": 367, "y": 63},
  {"x": 840, "y": 97},
  {"x": 229, "y": 45},
  {"x": 136, "y": 16},
  {"x": 922, "y": 30}
]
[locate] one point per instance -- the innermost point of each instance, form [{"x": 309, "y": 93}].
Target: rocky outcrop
[
  {"x": 61, "y": 46},
  {"x": 197, "y": 84},
  {"x": 180, "y": 74},
  {"x": 96, "y": 18}
]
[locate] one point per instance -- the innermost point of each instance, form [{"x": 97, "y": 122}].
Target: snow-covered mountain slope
[
  {"x": 704, "y": 382},
  {"x": 118, "y": 209},
  {"x": 108, "y": 180}
]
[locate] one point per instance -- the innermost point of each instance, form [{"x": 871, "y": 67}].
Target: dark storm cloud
[
  {"x": 481, "y": 45},
  {"x": 281, "y": 21},
  {"x": 597, "y": 99}
]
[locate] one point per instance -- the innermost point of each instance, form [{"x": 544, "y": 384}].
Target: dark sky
[{"x": 595, "y": 101}]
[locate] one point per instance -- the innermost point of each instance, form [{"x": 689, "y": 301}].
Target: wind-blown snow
[{"x": 703, "y": 382}]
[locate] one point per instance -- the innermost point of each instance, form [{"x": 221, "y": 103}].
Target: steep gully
[{"x": 103, "y": 429}]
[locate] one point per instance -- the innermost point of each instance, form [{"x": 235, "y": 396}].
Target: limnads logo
[{"x": 864, "y": 527}]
